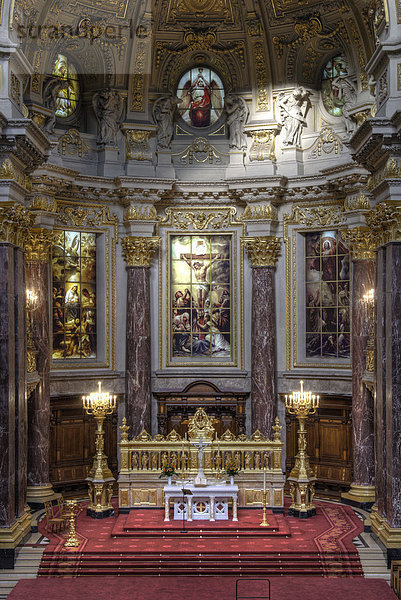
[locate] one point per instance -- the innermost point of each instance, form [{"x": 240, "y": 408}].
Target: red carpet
[
  {"x": 196, "y": 588},
  {"x": 140, "y": 543}
]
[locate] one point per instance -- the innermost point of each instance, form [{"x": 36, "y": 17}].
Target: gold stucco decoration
[
  {"x": 139, "y": 251},
  {"x": 262, "y": 251}
]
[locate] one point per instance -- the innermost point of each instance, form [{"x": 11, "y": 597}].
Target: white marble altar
[{"x": 208, "y": 502}]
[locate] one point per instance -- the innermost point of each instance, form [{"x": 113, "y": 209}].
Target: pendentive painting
[
  {"x": 74, "y": 295},
  {"x": 201, "y": 310},
  {"x": 328, "y": 296}
]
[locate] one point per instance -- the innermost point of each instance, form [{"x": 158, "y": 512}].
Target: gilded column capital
[
  {"x": 138, "y": 251},
  {"x": 363, "y": 242},
  {"x": 38, "y": 244},
  {"x": 385, "y": 222},
  {"x": 15, "y": 222},
  {"x": 263, "y": 250}
]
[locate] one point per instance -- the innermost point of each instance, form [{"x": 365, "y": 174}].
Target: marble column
[
  {"x": 389, "y": 391},
  {"x": 263, "y": 254},
  {"x": 15, "y": 521},
  {"x": 37, "y": 279},
  {"x": 138, "y": 253},
  {"x": 362, "y": 491}
]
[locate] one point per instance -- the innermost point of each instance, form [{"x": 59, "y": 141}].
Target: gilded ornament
[
  {"x": 7, "y": 170},
  {"x": 137, "y": 144},
  {"x": 362, "y": 115},
  {"x": 140, "y": 213},
  {"x": 327, "y": 142},
  {"x": 72, "y": 143},
  {"x": 200, "y": 151},
  {"x": 358, "y": 202},
  {"x": 385, "y": 222},
  {"x": 200, "y": 219},
  {"x": 15, "y": 88},
  {"x": 38, "y": 244},
  {"x": 261, "y": 212},
  {"x": 139, "y": 251},
  {"x": 362, "y": 241},
  {"x": 262, "y": 81},
  {"x": 262, "y": 251},
  {"x": 15, "y": 224},
  {"x": 43, "y": 203},
  {"x": 263, "y": 145}
]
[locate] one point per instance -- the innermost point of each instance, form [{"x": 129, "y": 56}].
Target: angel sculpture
[
  {"x": 163, "y": 115},
  {"x": 53, "y": 98},
  {"x": 199, "y": 97},
  {"x": 237, "y": 115},
  {"x": 108, "y": 107},
  {"x": 293, "y": 107}
]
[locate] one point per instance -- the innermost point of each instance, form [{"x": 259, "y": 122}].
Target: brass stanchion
[
  {"x": 264, "y": 522},
  {"x": 72, "y": 540}
]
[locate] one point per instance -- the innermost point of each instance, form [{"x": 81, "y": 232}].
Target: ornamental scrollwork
[
  {"x": 362, "y": 241},
  {"x": 38, "y": 244},
  {"x": 385, "y": 222},
  {"x": 261, "y": 212},
  {"x": 200, "y": 219},
  {"x": 327, "y": 142},
  {"x": 320, "y": 216}
]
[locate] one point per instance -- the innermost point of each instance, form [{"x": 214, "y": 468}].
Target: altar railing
[{"x": 258, "y": 459}]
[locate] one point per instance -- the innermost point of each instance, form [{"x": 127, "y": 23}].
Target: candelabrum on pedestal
[
  {"x": 369, "y": 300},
  {"x": 100, "y": 479},
  {"x": 301, "y": 479},
  {"x": 73, "y": 509}
]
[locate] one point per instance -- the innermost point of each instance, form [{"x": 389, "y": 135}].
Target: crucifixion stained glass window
[
  {"x": 201, "y": 297},
  {"x": 74, "y": 295}
]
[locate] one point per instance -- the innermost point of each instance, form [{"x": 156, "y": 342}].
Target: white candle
[{"x": 264, "y": 480}]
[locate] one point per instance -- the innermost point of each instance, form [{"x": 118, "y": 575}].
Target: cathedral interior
[{"x": 200, "y": 206}]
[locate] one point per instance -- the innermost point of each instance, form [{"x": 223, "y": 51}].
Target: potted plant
[{"x": 231, "y": 468}]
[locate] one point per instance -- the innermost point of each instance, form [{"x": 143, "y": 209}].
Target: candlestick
[{"x": 264, "y": 480}]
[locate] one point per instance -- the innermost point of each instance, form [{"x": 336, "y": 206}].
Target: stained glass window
[
  {"x": 332, "y": 81},
  {"x": 67, "y": 92},
  {"x": 201, "y": 93},
  {"x": 328, "y": 302},
  {"x": 201, "y": 297},
  {"x": 74, "y": 295}
]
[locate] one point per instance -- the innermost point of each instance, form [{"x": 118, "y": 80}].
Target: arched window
[
  {"x": 68, "y": 90},
  {"x": 334, "y": 71},
  {"x": 202, "y": 97}
]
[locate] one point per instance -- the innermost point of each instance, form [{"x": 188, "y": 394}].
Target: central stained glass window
[{"x": 201, "y": 297}]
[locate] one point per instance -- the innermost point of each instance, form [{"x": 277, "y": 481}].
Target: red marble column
[
  {"x": 263, "y": 350},
  {"x": 138, "y": 252},
  {"x": 39, "y": 487},
  {"x": 263, "y": 253},
  {"x": 362, "y": 489}
]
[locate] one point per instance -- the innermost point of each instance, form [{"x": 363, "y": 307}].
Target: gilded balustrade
[{"x": 142, "y": 459}]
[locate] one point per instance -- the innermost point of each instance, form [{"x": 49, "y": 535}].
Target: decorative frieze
[
  {"x": 139, "y": 251},
  {"x": 385, "y": 222},
  {"x": 140, "y": 213},
  {"x": 260, "y": 212},
  {"x": 262, "y": 251}
]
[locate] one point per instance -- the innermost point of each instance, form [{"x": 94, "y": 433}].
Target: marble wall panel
[
  {"x": 380, "y": 407},
  {"x": 20, "y": 385},
  {"x": 138, "y": 400},
  {"x": 263, "y": 350}
]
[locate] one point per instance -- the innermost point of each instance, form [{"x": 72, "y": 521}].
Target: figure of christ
[{"x": 200, "y": 265}]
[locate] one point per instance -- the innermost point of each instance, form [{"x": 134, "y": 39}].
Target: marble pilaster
[
  {"x": 263, "y": 253},
  {"x": 138, "y": 252}
]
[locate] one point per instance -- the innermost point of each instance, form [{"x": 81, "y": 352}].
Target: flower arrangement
[
  {"x": 167, "y": 470},
  {"x": 232, "y": 468}
]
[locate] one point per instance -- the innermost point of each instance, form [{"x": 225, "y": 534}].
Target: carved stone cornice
[
  {"x": 15, "y": 223},
  {"x": 38, "y": 244},
  {"x": 385, "y": 222},
  {"x": 139, "y": 251},
  {"x": 263, "y": 251},
  {"x": 363, "y": 242}
]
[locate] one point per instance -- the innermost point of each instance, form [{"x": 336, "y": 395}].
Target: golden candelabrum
[
  {"x": 301, "y": 479},
  {"x": 73, "y": 509},
  {"x": 100, "y": 479},
  {"x": 32, "y": 302},
  {"x": 368, "y": 300}
]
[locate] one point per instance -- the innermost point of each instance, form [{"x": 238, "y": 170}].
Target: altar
[{"x": 207, "y": 503}]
